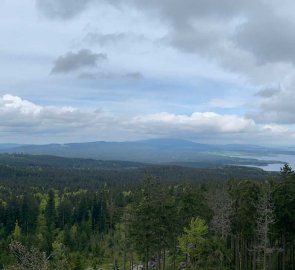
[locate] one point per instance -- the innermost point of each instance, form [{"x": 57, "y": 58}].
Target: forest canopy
[{"x": 53, "y": 218}]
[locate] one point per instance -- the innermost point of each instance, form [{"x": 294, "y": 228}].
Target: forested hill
[
  {"x": 69, "y": 218},
  {"x": 47, "y": 161},
  {"x": 24, "y": 171},
  {"x": 154, "y": 151}
]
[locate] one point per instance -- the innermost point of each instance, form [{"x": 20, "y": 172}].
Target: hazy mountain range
[{"x": 156, "y": 151}]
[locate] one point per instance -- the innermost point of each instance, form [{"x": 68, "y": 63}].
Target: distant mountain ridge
[
  {"x": 9, "y": 146},
  {"x": 46, "y": 161},
  {"x": 163, "y": 150}
]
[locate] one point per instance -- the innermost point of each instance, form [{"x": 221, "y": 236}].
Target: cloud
[
  {"x": 201, "y": 56},
  {"x": 268, "y": 38},
  {"x": 17, "y": 113},
  {"x": 62, "y": 9},
  {"x": 76, "y": 61},
  {"x": 249, "y": 38},
  {"x": 257, "y": 27},
  {"x": 211, "y": 127},
  {"x": 21, "y": 115},
  {"x": 102, "y": 39},
  {"x": 134, "y": 75},
  {"x": 276, "y": 109},
  {"x": 181, "y": 15},
  {"x": 45, "y": 124},
  {"x": 105, "y": 39},
  {"x": 276, "y": 105},
  {"x": 110, "y": 76},
  {"x": 273, "y": 128},
  {"x": 68, "y": 9},
  {"x": 268, "y": 92},
  {"x": 252, "y": 38},
  {"x": 197, "y": 122}
]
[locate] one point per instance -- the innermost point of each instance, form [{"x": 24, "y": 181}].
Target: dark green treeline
[{"x": 152, "y": 225}]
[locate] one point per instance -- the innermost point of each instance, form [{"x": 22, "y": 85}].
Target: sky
[{"x": 89, "y": 70}]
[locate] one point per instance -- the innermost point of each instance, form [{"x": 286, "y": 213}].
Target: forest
[{"x": 54, "y": 215}]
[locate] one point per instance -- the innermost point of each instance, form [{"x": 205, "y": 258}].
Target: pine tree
[
  {"x": 17, "y": 233},
  {"x": 265, "y": 219},
  {"x": 50, "y": 211},
  {"x": 192, "y": 240}
]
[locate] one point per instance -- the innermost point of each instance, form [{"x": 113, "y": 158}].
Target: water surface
[{"x": 290, "y": 159}]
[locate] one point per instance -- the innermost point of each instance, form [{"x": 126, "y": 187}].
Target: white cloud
[
  {"x": 273, "y": 128},
  {"x": 197, "y": 122},
  {"x": 212, "y": 127},
  {"x": 11, "y": 103},
  {"x": 24, "y": 121},
  {"x": 24, "y": 116}
]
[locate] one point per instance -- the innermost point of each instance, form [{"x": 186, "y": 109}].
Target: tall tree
[
  {"x": 192, "y": 240},
  {"x": 265, "y": 219},
  {"x": 50, "y": 212}
]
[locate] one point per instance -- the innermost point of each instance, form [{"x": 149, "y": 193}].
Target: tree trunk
[
  {"x": 164, "y": 259},
  {"x": 284, "y": 253},
  {"x": 147, "y": 259},
  {"x": 174, "y": 254},
  {"x": 124, "y": 259},
  {"x": 159, "y": 259},
  {"x": 237, "y": 263}
]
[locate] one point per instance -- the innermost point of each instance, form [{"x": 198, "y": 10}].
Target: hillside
[
  {"x": 155, "y": 151},
  {"x": 23, "y": 171}
]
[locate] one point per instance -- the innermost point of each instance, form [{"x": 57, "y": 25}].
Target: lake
[{"x": 290, "y": 159}]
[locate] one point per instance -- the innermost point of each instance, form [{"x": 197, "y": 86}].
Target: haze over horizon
[{"x": 93, "y": 70}]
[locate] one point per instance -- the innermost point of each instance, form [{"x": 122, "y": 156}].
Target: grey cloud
[
  {"x": 270, "y": 38},
  {"x": 75, "y": 61},
  {"x": 180, "y": 14},
  {"x": 277, "y": 108},
  {"x": 267, "y": 36},
  {"x": 104, "y": 39},
  {"x": 110, "y": 76},
  {"x": 97, "y": 76},
  {"x": 284, "y": 117},
  {"x": 251, "y": 38},
  {"x": 202, "y": 38},
  {"x": 268, "y": 92},
  {"x": 134, "y": 75},
  {"x": 112, "y": 38},
  {"x": 174, "y": 11},
  {"x": 245, "y": 37},
  {"x": 62, "y": 9}
]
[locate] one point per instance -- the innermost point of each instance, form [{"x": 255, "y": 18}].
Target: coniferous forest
[{"x": 55, "y": 219}]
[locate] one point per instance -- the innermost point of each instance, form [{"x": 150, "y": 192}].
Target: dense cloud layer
[
  {"x": 197, "y": 69},
  {"x": 31, "y": 119}
]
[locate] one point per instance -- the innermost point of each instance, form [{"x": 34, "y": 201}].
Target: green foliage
[
  {"x": 284, "y": 199},
  {"x": 245, "y": 198},
  {"x": 193, "y": 238},
  {"x": 116, "y": 222},
  {"x": 17, "y": 232}
]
